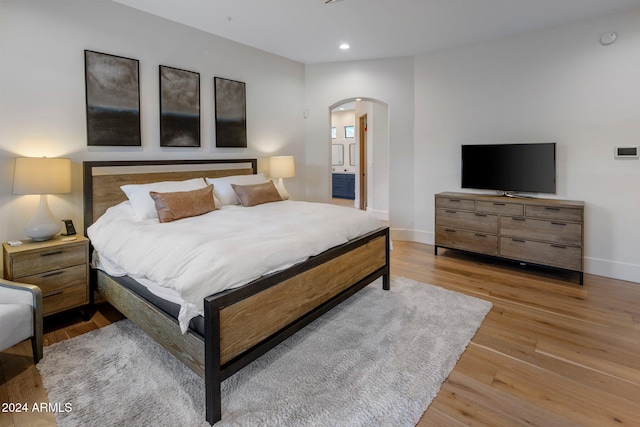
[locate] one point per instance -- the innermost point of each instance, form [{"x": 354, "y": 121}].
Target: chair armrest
[{"x": 20, "y": 293}]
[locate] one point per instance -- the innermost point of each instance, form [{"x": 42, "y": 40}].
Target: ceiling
[{"x": 310, "y": 31}]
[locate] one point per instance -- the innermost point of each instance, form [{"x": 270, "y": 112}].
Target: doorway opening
[{"x": 360, "y": 155}]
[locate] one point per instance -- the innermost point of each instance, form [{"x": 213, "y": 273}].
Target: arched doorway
[{"x": 359, "y": 131}]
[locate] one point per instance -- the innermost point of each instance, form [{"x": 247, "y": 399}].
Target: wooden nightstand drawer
[
  {"x": 64, "y": 299},
  {"x": 42, "y": 260},
  {"x": 53, "y": 280}
]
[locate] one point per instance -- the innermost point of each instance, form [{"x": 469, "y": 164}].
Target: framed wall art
[
  {"x": 179, "y": 108},
  {"x": 231, "y": 113},
  {"x": 112, "y": 86}
]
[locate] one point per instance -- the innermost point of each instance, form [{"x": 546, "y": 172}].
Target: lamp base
[
  {"x": 43, "y": 226},
  {"x": 283, "y": 191}
]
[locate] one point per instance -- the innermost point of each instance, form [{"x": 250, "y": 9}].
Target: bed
[{"x": 240, "y": 324}]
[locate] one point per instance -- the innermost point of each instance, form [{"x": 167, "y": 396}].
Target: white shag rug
[{"x": 378, "y": 358}]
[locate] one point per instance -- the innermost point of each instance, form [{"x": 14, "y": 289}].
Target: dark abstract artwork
[
  {"x": 113, "y": 100},
  {"x": 179, "y": 108},
  {"x": 231, "y": 117}
]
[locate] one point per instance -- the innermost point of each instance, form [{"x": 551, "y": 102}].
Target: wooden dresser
[
  {"x": 60, "y": 268},
  {"x": 545, "y": 232}
]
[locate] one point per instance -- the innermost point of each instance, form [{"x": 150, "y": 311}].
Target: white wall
[
  {"x": 555, "y": 85},
  {"x": 42, "y": 93},
  {"x": 386, "y": 80}
]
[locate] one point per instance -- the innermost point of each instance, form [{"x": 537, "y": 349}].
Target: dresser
[
  {"x": 545, "y": 232},
  {"x": 60, "y": 268}
]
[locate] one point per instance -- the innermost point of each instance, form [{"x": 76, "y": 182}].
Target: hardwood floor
[{"x": 549, "y": 353}]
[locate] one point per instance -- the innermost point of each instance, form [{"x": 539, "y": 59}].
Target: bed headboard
[{"x": 102, "y": 179}]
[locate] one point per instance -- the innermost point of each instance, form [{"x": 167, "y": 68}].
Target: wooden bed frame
[{"x": 243, "y": 323}]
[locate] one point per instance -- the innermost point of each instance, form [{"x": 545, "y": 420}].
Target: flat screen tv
[{"x": 510, "y": 168}]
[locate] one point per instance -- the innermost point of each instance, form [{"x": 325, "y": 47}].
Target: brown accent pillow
[
  {"x": 256, "y": 194},
  {"x": 183, "y": 204}
]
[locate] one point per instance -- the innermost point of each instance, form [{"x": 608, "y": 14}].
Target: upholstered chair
[{"x": 20, "y": 316}]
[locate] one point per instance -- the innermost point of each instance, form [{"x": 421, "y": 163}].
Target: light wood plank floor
[{"x": 550, "y": 352}]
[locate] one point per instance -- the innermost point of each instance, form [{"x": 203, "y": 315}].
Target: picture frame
[
  {"x": 179, "y": 107},
  {"x": 112, "y": 95},
  {"x": 231, "y": 113},
  {"x": 349, "y": 131}
]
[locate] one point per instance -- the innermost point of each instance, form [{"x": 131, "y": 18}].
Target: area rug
[{"x": 379, "y": 359}]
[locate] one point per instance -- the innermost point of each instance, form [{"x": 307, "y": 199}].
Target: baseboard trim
[{"x": 596, "y": 266}]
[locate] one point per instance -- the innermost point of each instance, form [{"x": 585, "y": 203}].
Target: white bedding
[{"x": 197, "y": 257}]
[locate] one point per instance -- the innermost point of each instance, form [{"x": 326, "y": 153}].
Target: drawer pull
[
  {"x": 559, "y": 246},
  {"x": 52, "y": 253},
  {"x": 518, "y": 240},
  {"x": 53, "y": 293},
  {"x": 481, "y": 235},
  {"x": 454, "y": 200},
  {"x": 53, "y": 273},
  {"x": 558, "y": 223},
  {"x": 517, "y": 218},
  {"x": 449, "y": 230},
  {"x": 498, "y": 204},
  {"x": 478, "y": 214},
  {"x": 451, "y": 212},
  {"x": 551, "y": 209}
]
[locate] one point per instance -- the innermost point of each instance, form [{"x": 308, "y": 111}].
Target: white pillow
[
  {"x": 142, "y": 203},
  {"x": 222, "y": 186}
]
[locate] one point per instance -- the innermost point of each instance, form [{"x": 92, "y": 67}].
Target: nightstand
[{"x": 60, "y": 268}]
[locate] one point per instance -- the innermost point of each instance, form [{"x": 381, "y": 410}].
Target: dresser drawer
[
  {"x": 64, "y": 299},
  {"x": 467, "y": 240},
  {"x": 467, "y": 220},
  {"x": 58, "y": 279},
  {"x": 500, "y": 208},
  {"x": 555, "y": 212},
  {"x": 455, "y": 203},
  {"x": 47, "y": 259},
  {"x": 555, "y": 255},
  {"x": 567, "y": 233}
]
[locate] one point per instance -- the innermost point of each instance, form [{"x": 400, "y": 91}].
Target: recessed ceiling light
[
  {"x": 358, "y": 99},
  {"x": 344, "y": 46}
]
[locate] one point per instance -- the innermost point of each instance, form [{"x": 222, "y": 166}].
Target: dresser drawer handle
[
  {"x": 558, "y": 223},
  {"x": 517, "y": 218},
  {"x": 481, "y": 235},
  {"x": 454, "y": 200},
  {"x": 449, "y": 230},
  {"x": 52, "y": 253},
  {"x": 481, "y": 214},
  {"x": 451, "y": 212},
  {"x": 551, "y": 209},
  {"x": 53, "y": 273},
  {"x": 518, "y": 240},
  {"x": 559, "y": 246},
  {"x": 51, "y": 294},
  {"x": 498, "y": 204}
]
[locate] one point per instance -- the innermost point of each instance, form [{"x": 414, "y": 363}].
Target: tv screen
[{"x": 510, "y": 167}]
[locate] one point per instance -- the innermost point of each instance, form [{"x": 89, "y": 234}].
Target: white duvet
[{"x": 223, "y": 249}]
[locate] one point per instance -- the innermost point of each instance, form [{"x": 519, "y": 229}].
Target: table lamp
[
  {"x": 282, "y": 167},
  {"x": 43, "y": 176}
]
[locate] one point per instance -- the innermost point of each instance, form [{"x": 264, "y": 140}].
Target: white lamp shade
[
  {"x": 42, "y": 175},
  {"x": 282, "y": 167}
]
